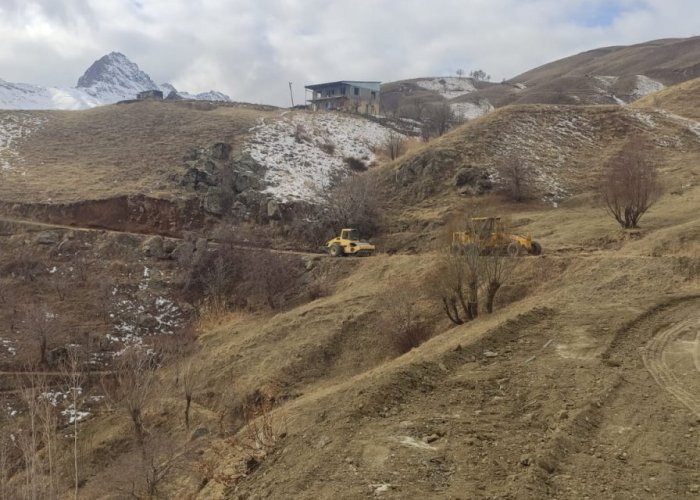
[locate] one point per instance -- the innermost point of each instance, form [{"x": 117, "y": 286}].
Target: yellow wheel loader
[
  {"x": 349, "y": 243},
  {"x": 487, "y": 235}
]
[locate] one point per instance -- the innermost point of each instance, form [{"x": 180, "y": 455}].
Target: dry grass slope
[{"x": 118, "y": 150}]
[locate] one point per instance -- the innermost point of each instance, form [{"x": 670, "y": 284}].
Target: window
[
  {"x": 342, "y": 90},
  {"x": 374, "y": 95},
  {"x": 356, "y": 90}
]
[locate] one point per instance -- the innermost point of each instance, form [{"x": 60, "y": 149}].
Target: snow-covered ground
[
  {"x": 142, "y": 313},
  {"x": 304, "y": 152},
  {"x": 15, "y": 126},
  {"x": 470, "y": 111},
  {"x": 448, "y": 86},
  {"x": 645, "y": 86}
]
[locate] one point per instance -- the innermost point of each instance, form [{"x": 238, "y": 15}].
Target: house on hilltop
[
  {"x": 357, "y": 97},
  {"x": 150, "y": 95}
]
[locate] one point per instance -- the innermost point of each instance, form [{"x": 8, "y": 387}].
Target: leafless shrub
[
  {"x": 73, "y": 376},
  {"x": 629, "y": 184},
  {"x": 26, "y": 265},
  {"x": 270, "y": 276},
  {"x": 394, "y": 145},
  {"x": 479, "y": 75},
  {"x": 400, "y": 318},
  {"x": 215, "y": 273},
  {"x": 462, "y": 272},
  {"x": 327, "y": 147},
  {"x": 301, "y": 134},
  {"x": 496, "y": 268},
  {"x": 516, "y": 178},
  {"x": 39, "y": 322},
  {"x": 189, "y": 385},
  {"x": 355, "y": 164},
  {"x": 134, "y": 379},
  {"x": 437, "y": 119}
]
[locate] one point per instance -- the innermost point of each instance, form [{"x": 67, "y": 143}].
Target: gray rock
[
  {"x": 214, "y": 201},
  {"x": 169, "y": 245},
  {"x": 48, "y": 238},
  {"x": 273, "y": 210},
  {"x": 221, "y": 151},
  {"x": 244, "y": 182},
  {"x": 490, "y": 354},
  {"x": 147, "y": 321},
  {"x": 431, "y": 439},
  {"x": 201, "y": 245},
  {"x": 153, "y": 247}
]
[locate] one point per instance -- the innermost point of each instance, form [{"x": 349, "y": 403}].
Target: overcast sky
[{"x": 250, "y": 49}]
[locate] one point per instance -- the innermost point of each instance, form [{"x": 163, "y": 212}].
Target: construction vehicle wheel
[
  {"x": 536, "y": 248},
  {"x": 513, "y": 249},
  {"x": 336, "y": 251}
]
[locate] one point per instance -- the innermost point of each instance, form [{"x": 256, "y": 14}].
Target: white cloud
[{"x": 250, "y": 49}]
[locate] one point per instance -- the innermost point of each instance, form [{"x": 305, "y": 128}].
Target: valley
[{"x": 170, "y": 322}]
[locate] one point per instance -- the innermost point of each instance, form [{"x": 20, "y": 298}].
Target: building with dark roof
[{"x": 345, "y": 95}]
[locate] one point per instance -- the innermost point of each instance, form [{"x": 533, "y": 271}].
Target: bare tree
[
  {"x": 437, "y": 120},
  {"x": 460, "y": 73},
  {"x": 479, "y": 75},
  {"x": 400, "y": 317},
  {"x": 189, "y": 381},
  {"x": 516, "y": 178},
  {"x": 74, "y": 378},
  {"x": 135, "y": 371},
  {"x": 394, "y": 145},
  {"x": 270, "y": 275},
  {"x": 496, "y": 267},
  {"x": 629, "y": 184},
  {"x": 455, "y": 282},
  {"x": 39, "y": 321}
]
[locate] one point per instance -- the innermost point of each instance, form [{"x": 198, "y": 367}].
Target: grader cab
[{"x": 488, "y": 235}]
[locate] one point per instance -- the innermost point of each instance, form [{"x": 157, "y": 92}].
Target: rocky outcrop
[
  {"x": 227, "y": 186},
  {"x": 473, "y": 180}
]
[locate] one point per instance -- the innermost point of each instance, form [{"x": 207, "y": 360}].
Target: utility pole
[{"x": 291, "y": 94}]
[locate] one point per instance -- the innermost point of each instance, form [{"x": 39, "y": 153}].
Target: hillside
[
  {"x": 610, "y": 75},
  {"x": 165, "y": 326},
  {"x": 681, "y": 99}
]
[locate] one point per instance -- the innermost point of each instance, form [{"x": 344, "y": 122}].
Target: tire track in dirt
[{"x": 655, "y": 362}]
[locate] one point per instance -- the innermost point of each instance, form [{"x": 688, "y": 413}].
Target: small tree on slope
[{"x": 629, "y": 184}]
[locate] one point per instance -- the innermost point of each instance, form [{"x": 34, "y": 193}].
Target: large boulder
[
  {"x": 221, "y": 151},
  {"x": 473, "y": 180},
  {"x": 273, "y": 210},
  {"x": 48, "y": 237},
  {"x": 214, "y": 201},
  {"x": 153, "y": 247}
]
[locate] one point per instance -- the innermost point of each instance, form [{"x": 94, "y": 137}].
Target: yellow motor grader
[
  {"x": 349, "y": 243},
  {"x": 487, "y": 235}
]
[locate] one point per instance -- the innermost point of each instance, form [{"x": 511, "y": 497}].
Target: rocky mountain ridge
[{"x": 110, "y": 79}]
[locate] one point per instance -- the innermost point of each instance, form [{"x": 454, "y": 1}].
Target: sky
[{"x": 252, "y": 49}]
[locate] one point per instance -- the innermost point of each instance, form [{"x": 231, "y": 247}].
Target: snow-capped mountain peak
[
  {"x": 114, "y": 76},
  {"x": 110, "y": 79}
]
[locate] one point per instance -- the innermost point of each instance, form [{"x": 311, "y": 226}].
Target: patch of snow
[
  {"x": 14, "y": 127},
  {"x": 471, "y": 111},
  {"x": 9, "y": 346},
  {"x": 415, "y": 443},
  {"x": 74, "y": 415},
  {"x": 645, "y": 86},
  {"x": 303, "y": 153},
  {"x": 449, "y": 86}
]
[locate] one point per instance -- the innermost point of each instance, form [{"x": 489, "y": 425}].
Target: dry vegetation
[
  {"x": 431, "y": 372},
  {"x": 116, "y": 150}
]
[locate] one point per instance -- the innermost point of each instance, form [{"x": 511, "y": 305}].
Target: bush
[
  {"x": 355, "y": 164},
  {"x": 629, "y": 184}
]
